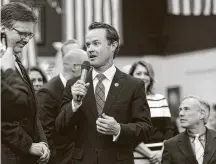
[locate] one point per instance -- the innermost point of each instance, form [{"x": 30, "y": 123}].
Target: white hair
[{"x": 203, "y": 105}]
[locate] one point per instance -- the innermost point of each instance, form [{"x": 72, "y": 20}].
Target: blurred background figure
[
  {"x": 62, "y": 49},
  {"x": 38, "y": 77},
  {"x": 50, "y": 101},
  {"x": 160, "y": 115},
  {"x": 126, "y": 68}
]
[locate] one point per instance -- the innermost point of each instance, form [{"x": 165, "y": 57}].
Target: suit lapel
[
  {"x": 90, "y": 97},
  {"x": 210, "y": 147},
  {"x": 115, "y": 87},
  {"x": 186, "y": 149}
]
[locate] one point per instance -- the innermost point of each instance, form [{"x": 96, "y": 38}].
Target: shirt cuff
[
  {"x": 115, "y": 138},
  {"x": 75, "y": 107},
  {"x": 45, "y": 144}
]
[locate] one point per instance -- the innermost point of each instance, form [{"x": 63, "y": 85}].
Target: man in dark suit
[
  {"x": 196, "y": 145},
  {"x": 113, "y": 114},
  {"x": 50, "y": 100},
  {"x": 22, "y": 137}
]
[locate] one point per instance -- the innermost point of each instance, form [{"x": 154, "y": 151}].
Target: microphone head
[{"x": 86, "y": 65}]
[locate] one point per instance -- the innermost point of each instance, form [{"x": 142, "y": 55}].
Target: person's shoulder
[
  {"x": 70, "y": 82},
  {"x": 212, "y": 132},
  {"x": 130, "y": 78},
  {"x": 156, "y": 96},
  {"x": 53, "y": 83},
  {"x": 174, "y": 139}
]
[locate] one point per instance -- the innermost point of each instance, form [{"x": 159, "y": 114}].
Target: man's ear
[
  {"x": 114, "y": 45},
  {"x": 2, "y": 28},
  {"x": 202, "y": 114}
]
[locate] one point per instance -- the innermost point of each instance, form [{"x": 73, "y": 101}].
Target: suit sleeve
[
  {"x": 47, "y": 113},
  {"x": 16, "y": 137},
  {"x": 41, "y": 137},
  {"x": 166, "y": 159},
  {"x": 139, "y": 128},
  {"x": 64, "y": 122},
  {"x": 14, "y": 95}
]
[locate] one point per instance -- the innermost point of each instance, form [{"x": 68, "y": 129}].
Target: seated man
[{"x": 196, "y": 145}]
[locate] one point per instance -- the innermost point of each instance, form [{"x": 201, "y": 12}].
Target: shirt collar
[
  {"x": 63, "y": 80},
  {"x": 192, "y": 135},
  {"x": 109, "y": 73}
]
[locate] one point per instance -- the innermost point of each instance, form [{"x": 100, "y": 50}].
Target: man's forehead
[
  {"x": 95, "y": 34},
  {"x": 27, "y": 26},
  {"x": 188, "y": 102}
]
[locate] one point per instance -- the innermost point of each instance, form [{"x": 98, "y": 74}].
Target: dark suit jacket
[
  {"x": 50, "y": 101},
  {"x": 126, "y": 102},
  {"x": 178, "y": 150},
  {"x": 20, "y": 126}
]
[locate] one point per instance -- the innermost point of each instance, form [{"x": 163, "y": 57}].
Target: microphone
[
  {"x": 3, "y": 44},
  {"x": 85, "y": 68}
]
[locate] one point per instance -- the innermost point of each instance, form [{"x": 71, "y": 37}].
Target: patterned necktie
[
  {"x": 199, "y": 150},
  {"x": 25, "y": 75},
  {"x": 100, "y": 94}
]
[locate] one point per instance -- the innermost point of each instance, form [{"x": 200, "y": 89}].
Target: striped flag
[
  {"x": 79, "y": 14},
  {"x": 192, "y": 7}
]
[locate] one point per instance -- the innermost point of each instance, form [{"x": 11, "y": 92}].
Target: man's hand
[
  {"x": 79, "y": 89},
  {"x": 8, "y": 60},
  {"x": 156, "y": 157},
  {"x": 40, "y": 150},
  {"x": 107, "y": 125},
  {"x": 46, "y": 154},
  {"x": 35, "y": 150}
]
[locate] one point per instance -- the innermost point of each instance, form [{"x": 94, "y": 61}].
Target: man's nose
[{"x": 181, "y": 113}]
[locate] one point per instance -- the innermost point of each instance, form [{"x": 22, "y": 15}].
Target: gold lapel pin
[{"x": 116, "y": 84}]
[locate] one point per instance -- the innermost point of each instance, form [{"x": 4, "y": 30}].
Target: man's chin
[{"x": 17, "y": 50}]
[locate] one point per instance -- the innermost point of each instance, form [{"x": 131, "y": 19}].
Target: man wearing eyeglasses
[{"x": 22, "y": 137}]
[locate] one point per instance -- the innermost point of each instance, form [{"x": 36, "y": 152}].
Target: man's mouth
[
  {"x": 92, "y": 56},
  {"x": 22, "y": 44}
]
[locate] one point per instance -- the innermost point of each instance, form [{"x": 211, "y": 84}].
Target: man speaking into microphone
[{"x": 112, "y": 114}]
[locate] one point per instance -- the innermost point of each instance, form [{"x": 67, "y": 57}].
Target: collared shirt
[
  {"x": 109, "y": 74},
  {"x": 202, "y": 138},
  {"x": 18, "y": 68},
  {"x": 63, "y": 80}
]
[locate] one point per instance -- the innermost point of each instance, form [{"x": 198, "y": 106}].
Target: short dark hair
[
  {"x": 16, "y": 11},
  {"x": 150, "y": 72},
  {"x": 111, "y": 33},
  {"x": 37, "y": 69}
]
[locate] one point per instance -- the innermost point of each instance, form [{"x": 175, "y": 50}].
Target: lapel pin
[{"x": 116, "y": 84}]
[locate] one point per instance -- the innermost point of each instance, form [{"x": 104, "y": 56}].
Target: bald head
[{"x": 72, "y": 61}]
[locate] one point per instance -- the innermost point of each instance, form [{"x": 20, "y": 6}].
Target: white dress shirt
[
  {"x": 63, "y": 80},
  {"x": 109, "y": 74}
]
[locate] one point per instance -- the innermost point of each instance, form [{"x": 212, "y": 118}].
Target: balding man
[
  {"x": 50, "y": 100},
  {"x": 196, "y": 145}
]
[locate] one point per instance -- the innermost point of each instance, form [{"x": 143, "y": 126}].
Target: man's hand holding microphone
[
  {"x": 105, "y": 124},
  {"x": 79, "y": 89}
]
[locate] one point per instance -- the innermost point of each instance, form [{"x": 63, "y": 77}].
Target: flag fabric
[
  {"x": 192, "y": 7},
  {"x": 81, "y": 13}
]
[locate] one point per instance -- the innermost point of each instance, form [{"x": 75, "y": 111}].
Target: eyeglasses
[{"x": 24, "y": 35}]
